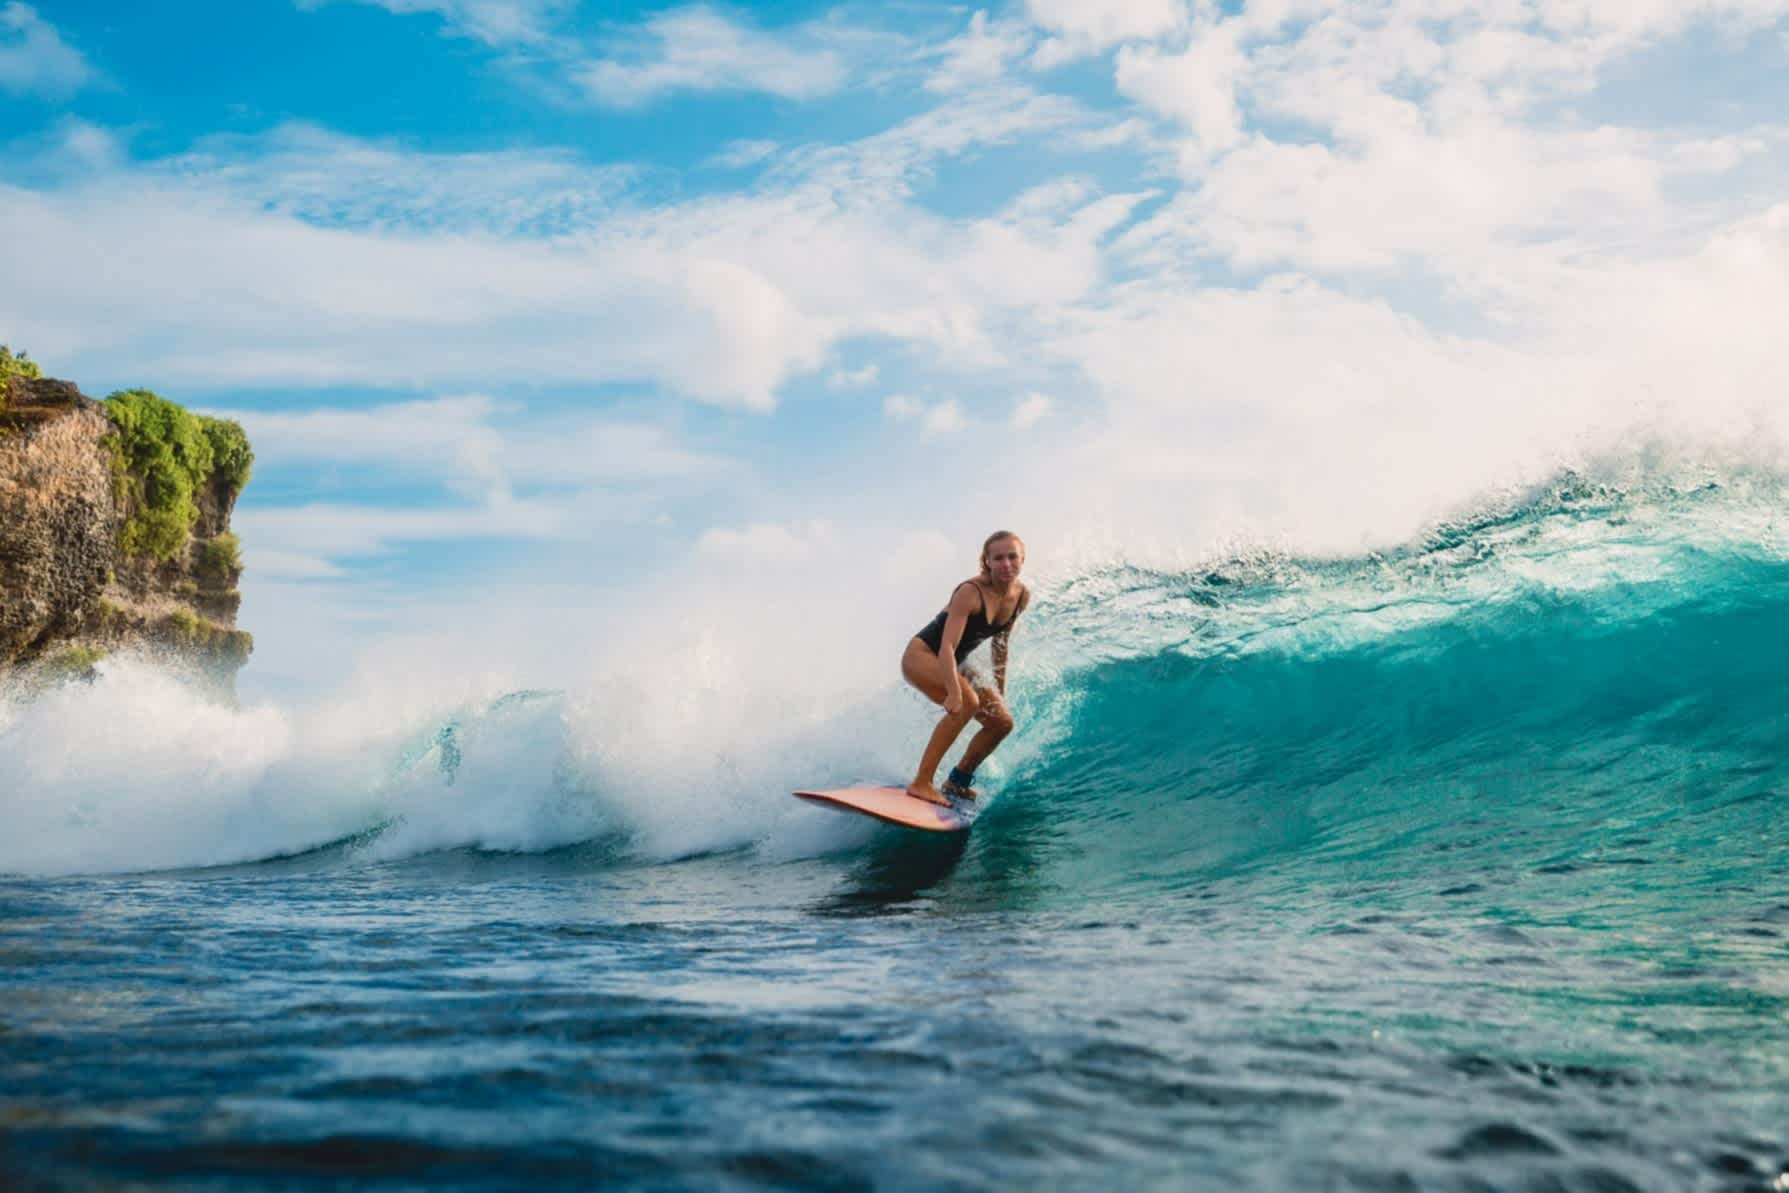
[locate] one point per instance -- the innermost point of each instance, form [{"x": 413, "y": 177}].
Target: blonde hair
[{"x": 990, "y": 541}]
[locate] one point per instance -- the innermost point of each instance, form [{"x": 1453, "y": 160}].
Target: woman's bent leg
[
  {"x": 996, "y": 723},
  {"x": 920, "y": 668}
]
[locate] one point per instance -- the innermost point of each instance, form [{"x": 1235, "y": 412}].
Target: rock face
[
  {"x": 69, "y": 592},
  {"x": 58, "y": 521}
]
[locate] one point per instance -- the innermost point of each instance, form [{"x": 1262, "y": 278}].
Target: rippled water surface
[{"x": 475, "y": 1021}]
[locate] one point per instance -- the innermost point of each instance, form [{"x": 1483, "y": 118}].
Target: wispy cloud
[
  {"x": 902, "y": 408},
  {"x": 1082, "y": 27},
  {"x": 741, "y": 154},
  {"x": 1030, "y": 410},
  {"x": 476, "y": 468},
  {"x": 935, "y": 418},
  {"x": 982, "y": 54},
  {"x": 703, "y": 49},
  {"x": 288, "y": 565},
  {"x": 766, "y": 542},
  {"x": 34, "y": 60},
  {"x": 945, "y": 418},
  {"x": 478, "y": 446},
  {"x": 897, "y": 161},
  {"x": 853, "y": 378},
  {"x": 307, "y": 537},
  {"x": 449, "y": 438},
  {"x": 328, "y": 178},
  {"x": 500, "y": 23}
]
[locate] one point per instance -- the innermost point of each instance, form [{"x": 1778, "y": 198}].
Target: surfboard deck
[{"x": 895, "y": 806}]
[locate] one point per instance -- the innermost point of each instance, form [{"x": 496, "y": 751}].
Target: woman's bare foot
[{"x": 928, "y": 793}]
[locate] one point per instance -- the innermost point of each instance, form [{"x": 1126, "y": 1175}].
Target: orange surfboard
[{"x": 894, "y": 805}]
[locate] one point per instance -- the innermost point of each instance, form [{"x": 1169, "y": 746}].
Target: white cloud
[
  {"x": 1090, "y": 26},
  {"x": 494, "y": 22},
  {"x": 937, "y": 418},
  {"x": 701, "y": 49},
  {"x": 945, "y": 418},
  {"x": 980, "y": 55},
  {"x": 1452, "y": 202},
  {"x": 919, "y": 553},
  {"x": 430, "y": 436},
  {"x": 1196, "y": 86},
  {"x": 1029, "y": 410},
  {"x": 286, "y": 565},
  {"x": 322, "y": 531},
  {"x": 313, "y": 541},
  {"x": 329, "y": 179},
  {"x": 477, "y": 447},
  {"x": 1416, "y": 141},
  {"x": 551, "y": 480},
  {"x": 888, "y": 165},
  {"x": 902, "y": 408},
  {"x": 742, "y": 154},
  {"x": 853, "y": 378},
  {"x": 1623, "y": 24},
  {"x": 392, "y": 309},
  {"x": 608, "y": 450},
  {"x": 766, "y": 542},
  {"x": 66, "y": 152},
  {"x": 34, "y": 60}
]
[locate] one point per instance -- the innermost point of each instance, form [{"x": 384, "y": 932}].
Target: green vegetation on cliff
[
  {"x": 162, "y": 454},
  {"x": 221, "y": 555},
  {"x": 233, "y": 645},
  {"x": 15, "y": 366},
  {"x": 231, "y": 457}
]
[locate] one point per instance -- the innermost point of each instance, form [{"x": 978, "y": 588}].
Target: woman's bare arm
[
  {"x": 964, "y": 601},
  {"x": 998, "y": 646}
]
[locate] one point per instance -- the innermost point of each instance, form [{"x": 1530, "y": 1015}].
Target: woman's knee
[
  {"x": 972, "y": 705},
  {"x": 995, "y": 715}
]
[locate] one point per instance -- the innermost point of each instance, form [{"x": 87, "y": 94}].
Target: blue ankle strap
[{"x": 962, "y": 778}]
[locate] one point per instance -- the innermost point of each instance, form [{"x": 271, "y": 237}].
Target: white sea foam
[
  {"x": 677, "y": 756},
  {"x": 134, "y": 771}
]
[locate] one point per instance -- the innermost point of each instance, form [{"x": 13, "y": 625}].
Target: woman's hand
[{"x": 953, "y": 703}]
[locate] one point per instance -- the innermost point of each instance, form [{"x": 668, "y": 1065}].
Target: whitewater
[{"x": 1453, "y": 865}]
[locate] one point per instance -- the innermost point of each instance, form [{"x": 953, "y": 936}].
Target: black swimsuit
[{"x": 976, "y": 631}]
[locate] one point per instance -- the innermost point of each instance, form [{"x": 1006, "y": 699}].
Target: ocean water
[{"x": 1459, "y": 867}]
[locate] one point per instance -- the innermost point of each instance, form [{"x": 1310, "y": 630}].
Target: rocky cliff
[{"x": 115, "y": 532}]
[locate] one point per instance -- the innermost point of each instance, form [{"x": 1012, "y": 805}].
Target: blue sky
[{"x": 540, "y": 304}]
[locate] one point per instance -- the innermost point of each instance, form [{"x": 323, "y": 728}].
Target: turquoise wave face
[{"x": 1577, "y": 702}]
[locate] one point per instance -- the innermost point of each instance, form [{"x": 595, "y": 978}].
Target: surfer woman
[{"x": 980, "y": 608}]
